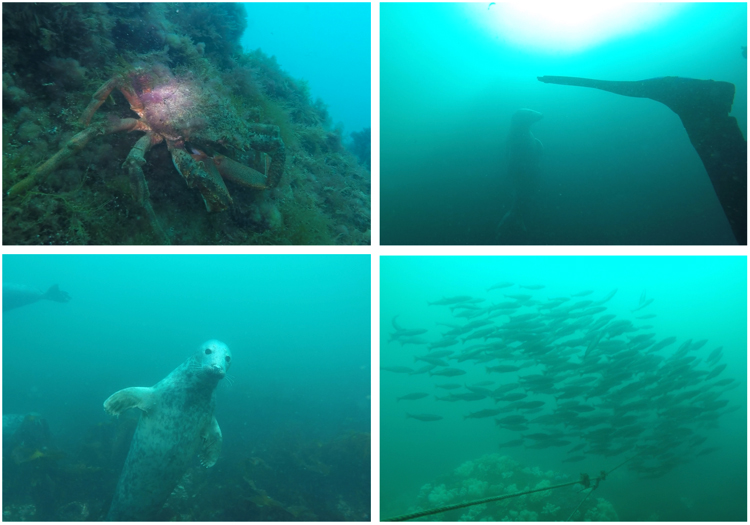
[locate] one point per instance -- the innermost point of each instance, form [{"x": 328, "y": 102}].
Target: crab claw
[
  {"x": 239, "y": 173},
  {"x": 202, "y": 174}
]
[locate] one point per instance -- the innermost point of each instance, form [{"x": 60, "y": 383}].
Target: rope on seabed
[
  {"x": 585, "y": 480},
  {"x": 602, "y": 476}
]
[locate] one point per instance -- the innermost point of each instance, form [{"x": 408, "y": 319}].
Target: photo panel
[
  {"x": 208, "y": 123},
  {"x": 186, "y": 387},
  {"x": 563, "y": 388},
  {"x": 527, "y": 123}
]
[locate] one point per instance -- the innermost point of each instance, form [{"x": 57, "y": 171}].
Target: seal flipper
[
  {"x": 55, "y": 294},
  {"x": 133, "y": 397},
  {"x": 703, "y": 107},
  {"x": 211, "y": 444}
]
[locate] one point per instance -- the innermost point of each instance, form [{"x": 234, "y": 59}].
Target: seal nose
[{"x": 218, "y": 369}]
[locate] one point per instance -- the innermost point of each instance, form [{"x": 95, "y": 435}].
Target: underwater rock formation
[{"x": 495, "y": 475}]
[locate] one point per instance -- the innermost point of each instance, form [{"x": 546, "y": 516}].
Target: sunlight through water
[{"x": 568, "y": 27}]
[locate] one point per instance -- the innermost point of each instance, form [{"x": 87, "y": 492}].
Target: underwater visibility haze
[
  {"x": 148, "y": 123},
  {"x": 500, "y": 375},
  {"x": 458, "y": 165},
  {"x": 293, "y": 408}
]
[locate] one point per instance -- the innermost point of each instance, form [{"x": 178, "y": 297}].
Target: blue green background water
[
  {"x": 615, "y": 170},
  {"x": 325, "y": 43},
  {"x": 298, "y": 327},
  {"x": 695, "y": 297}
]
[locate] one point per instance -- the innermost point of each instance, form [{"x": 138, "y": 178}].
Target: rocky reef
[
  {"x": 56, "y": 56},
  {"x": 495, "y": 475}
]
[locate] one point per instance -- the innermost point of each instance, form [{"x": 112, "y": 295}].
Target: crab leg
[
  {"x": 133, "y": 163},
  {"x": 269, "y": 141},
  {"x": 98, "y": 99},
  {"x": 204, "y": 176},
  {"x": 239, "y": 173},
  {"x": 70, "y": 148}
]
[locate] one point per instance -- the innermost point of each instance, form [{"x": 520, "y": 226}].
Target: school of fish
[{"x": 564, "y": 373}]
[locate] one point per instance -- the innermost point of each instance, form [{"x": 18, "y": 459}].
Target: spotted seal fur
[{"x": 177, "y": 423}]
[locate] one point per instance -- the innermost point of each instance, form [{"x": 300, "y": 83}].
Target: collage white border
[{"x": 375, "y": 251}]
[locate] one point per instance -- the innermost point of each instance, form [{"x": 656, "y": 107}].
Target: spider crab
[{"x": 191, "y": 119}]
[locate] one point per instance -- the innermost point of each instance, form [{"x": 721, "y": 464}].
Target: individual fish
[
  {"x": 715, "y": 355},
  {"x": 641, "y": 337},
  {"x": 448, "y": 372},
  {"x": 424, "y": 370},
  {"x": 468, "y": 396},
  {"x": 583, "y": 293},
  {"x": 642, "y": 305},
  {"x": 443, "y": 343},
  {"x": 432, "y": 360},
  {"x": 581, "y": 304},
  {"x": 413, "y": 397},
  {"x": 662, "y": 344},
  {"x": 518, "y": 297},
  {"x": 512, "y": 397},
  {"x": 716, "y": 371},
  {"x": 501, "y": 284},
  {"x": 489, "y": 412},
  {"x": 403, "y": 341},
  {"x": 425, "y": 417},
  {"x": 548, "y": 444},
  {"x": 402, "y": 332},
  {"x": 480, "y": 334},
  {"x": 606, "y": 298},
  {"x": 698, "y": 345},
  {"x": 442, "y": 353},
  {"x": 502, "y": 369},
  {"x": 574, "y": 459},
  {"x": 724, "y": 382},
  {"x": 479, "y": 389},
  {"x": 512, "y": 443},
  {"x": 449, "y": 386},
  {"x": 511, "y": 420},
  {"x": 540, "y": 436}
]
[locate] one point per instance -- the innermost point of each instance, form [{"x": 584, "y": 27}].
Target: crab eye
[
  {"x": 208, "y": 351},
  {"x": 228, "y": 358}
]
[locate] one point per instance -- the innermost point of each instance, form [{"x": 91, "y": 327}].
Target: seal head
[{"x": 215, "y": 358}]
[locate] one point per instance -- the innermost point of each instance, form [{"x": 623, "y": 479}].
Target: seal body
[
  {"x": 177, "y": 424},
  {"x": 524, "y": 152}
]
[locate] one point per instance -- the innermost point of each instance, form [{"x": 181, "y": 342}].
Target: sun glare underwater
[{"x": 568, "y": 27}]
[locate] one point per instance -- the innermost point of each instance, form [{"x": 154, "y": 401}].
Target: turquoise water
[
  {"x": 294, "y": 410},
  {"x": 693, "y": 298},
  {"x": 615, "y": 170},
  {"x": 327, "y": 44}
]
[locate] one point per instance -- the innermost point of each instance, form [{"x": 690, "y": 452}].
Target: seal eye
[
  {"x": 208, "y": 351},
  {"x": 228, "y": 358}
]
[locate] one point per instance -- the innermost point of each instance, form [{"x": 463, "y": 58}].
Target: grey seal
[
  {"x": 524, "y": 152},
  {"x": 176, "y": 424}
]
